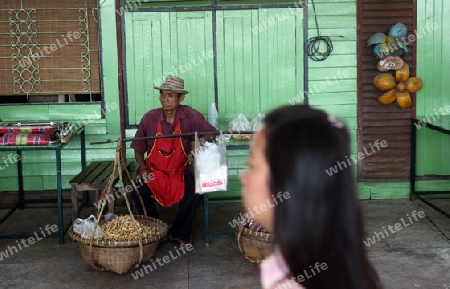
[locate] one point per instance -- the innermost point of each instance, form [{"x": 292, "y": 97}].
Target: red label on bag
[{"x": 213, "y": 183}]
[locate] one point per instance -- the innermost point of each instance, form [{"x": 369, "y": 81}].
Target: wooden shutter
[
  {"x": 162, "y": 43},
  {"x": 377, "y": 121},
  {"x": 259, "y": 59},
  {"x": 48, "y": 47}
]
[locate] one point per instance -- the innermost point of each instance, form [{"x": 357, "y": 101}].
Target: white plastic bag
[
  {"x": 78, "y": 226},
  {"x": 88, "y": 226},
  {"x": 258, "y": 121},
  {"x": 213, "y": 116},
  {"x": 240, "y": 123},
  {"x": 211, "y": 166}
]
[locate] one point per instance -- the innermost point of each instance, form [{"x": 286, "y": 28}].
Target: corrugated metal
[
  {"x": 433, "y": 66},
  {"x": 376, "y": 121}
]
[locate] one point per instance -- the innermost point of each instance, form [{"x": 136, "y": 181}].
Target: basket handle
[
  {"x": 239, "y": 239},
  {"x": 117, "y": 165}
]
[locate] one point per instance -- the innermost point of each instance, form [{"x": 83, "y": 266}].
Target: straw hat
[{"x": 174, "y": 84}]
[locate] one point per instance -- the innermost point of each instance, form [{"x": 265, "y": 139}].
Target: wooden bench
[{"x": 93, "y": 178}]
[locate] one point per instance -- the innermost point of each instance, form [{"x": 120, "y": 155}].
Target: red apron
[{"x": 167, "y": 161}]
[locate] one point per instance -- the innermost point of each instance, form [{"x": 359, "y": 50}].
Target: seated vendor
[{"x": 163, "y": 162}]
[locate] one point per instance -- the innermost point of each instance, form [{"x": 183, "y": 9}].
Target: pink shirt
[
  {"x": 191, "y": 121},
  {"x": 274, "y": 272}
]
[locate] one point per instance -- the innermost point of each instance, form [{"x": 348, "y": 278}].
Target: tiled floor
[{"x": 417, "y": 256}]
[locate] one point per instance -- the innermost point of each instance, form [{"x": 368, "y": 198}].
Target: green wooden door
[
  {"x": 259, "y": 60},
  {"x": 162, "y": 43},
  {"x": 433, "y": 105}
]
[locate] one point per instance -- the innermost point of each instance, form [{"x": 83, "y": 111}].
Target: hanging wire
[{"x": 314, "y": 43}]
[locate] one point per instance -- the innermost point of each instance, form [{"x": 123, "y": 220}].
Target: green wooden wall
[
  {"x": 162, "y": 43},
  {"x": 256, "y": 72},
  {"x": 259, "y": 59}
]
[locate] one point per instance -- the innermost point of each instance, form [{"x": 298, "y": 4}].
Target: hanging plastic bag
[
  {"x": 211, "y": 166},
  {"x": 88, "y": 226}
]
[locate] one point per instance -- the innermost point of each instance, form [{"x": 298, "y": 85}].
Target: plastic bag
[
  {"x": 109, "y": 217},
  {"x": 258, "y": 121},
  {"x": 240, "y": 123},
  {"x": 211, "y": 166},
  {"x": 87, "y": 228},
  {"x": 213, "y": 116},
  {"x": 78, "y": 226}
]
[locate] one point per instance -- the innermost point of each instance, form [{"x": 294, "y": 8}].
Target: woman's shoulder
[{"x": 275, "y": 272}]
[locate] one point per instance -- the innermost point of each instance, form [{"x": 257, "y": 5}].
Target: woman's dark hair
[{"x": 321, "y": 221}]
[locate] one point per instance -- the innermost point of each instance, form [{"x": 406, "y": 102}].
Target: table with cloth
[{"x": 35, "y": 136}]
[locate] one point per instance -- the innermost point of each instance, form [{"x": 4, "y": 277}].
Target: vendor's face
[
  {"x": 169, "y": 99},
  {"x": 255, "y": 184}
]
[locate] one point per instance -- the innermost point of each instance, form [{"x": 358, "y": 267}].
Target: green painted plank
[
  {"x": 131, "y": 69},
  {"x": 335, "y": 60},
  {"x": 109, "y": 60},
  {"x": 336, "y": 35},
  {"x": 284, "y": 56},
  {"x": 96, "y": 127},
  {"x": 332, "y": 74},
  {"x": 387, "y": 190},
  {"x": 23, "y": 112},
  {"x": 331, "y": 85},
  {"x": 333, "y": 98},
  {"x": 438, "y": 185},
  {"x": 31, "y": 183},
  {"x": 363, "y": 193},
  {"x": 343, "y": 110},
  {"x": 334, "y": 10},
  {"x": 141, "y": 4},
  {"x": 49, "y": 182},
  {"x": 335, "y": 22},
  {"x": 432, "y": 148},
  {"x": 75, "y": 112}
]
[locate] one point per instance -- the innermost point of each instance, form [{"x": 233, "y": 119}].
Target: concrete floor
[{"x": 417, "y": 256}]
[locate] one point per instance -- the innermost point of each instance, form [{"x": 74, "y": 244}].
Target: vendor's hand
[{"x": 144, "y": 176}]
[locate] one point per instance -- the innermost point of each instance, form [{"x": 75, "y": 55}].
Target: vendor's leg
[
  {"x": 187, "y": 207},
  {"x": 149, "y": 201}
]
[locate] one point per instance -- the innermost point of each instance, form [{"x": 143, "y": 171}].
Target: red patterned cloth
[
  {"x": 27, "y": 129},
  {"x": 21, "y": 139}
]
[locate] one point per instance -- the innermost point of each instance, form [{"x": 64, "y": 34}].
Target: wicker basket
[
  {"x": 121, "y": 256},
  {"x": 254, "y": 244}
]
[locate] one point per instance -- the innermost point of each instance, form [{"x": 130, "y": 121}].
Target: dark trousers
[{"x": 182, "y": 225}]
